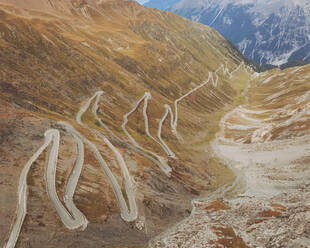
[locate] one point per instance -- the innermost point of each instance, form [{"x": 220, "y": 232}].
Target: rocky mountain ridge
[
  {"x": 128, "y": 127},
  {"x": 268, "y": 32}
]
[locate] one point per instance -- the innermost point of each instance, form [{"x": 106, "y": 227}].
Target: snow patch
[
  {"x": 227, "y": 20},
  {"x": 242, "y": 46}
]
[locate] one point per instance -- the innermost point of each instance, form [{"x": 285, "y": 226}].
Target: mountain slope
[
  {"x": 268, "y": 32},
  {"x": 266, "y": 142},
  {"x": 95, "y": 65}
]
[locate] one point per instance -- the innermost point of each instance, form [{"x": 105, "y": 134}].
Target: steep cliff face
[
  {"x": 268, "y": 32},
  {"x": 95, "y": 66}
]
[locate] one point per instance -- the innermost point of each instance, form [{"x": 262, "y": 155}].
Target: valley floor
[
  {"x": 268, "y": 203},
  {"x": 109, "y": 129}
]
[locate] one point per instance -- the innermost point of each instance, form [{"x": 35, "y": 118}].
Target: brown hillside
[{"x": 54, "y": 55}]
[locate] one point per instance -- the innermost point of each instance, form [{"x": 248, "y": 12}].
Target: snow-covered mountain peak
[
  {"x": 267, "y": 31},
  {"x": 264, "y": 7}
]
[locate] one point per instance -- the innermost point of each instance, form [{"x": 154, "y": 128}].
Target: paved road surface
[
  {"x": 22, "y": 194},
  {"x": 162, "y": 161},
  {"x": 72, "y": 220},
  {"x": 118, "y": 139},
  {"x": 128, "y": 214},
  {"x": 77, "y": 219}
]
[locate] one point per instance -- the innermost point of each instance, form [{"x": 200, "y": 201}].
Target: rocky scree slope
[
  {"x": 279, "y": 108},
  {"x": 265, "y": 141},
  {"x": 54, "y": 56}
]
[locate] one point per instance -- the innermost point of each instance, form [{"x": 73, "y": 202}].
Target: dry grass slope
[{"x": 52, "y": 62}]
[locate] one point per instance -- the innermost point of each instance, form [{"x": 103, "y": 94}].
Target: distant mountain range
[{"x": 268, "y": 32}]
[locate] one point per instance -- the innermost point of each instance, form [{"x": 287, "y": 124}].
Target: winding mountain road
[
  {"x": 23, "y": 192},
  {"x": 72, "y": 221},
  {"x": 127, "y": 214},
  {"x": 161, "y": 122},
  {"x": 72, "y": 184},
  {"x": 224, "y": 68},
  {"x": 162, "y": 161},
  {"x": 118, "y": 139},
  {"x": 216, "y": 76},
  {"x": 70, "y": 215},
  {"x": 174, "y": 118},
  {"x": 146, "y": 123},
  {"x": 125, "y": 120},
  {"x": 237, "y": 69},
  {"x": 75, "y": 219}
]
